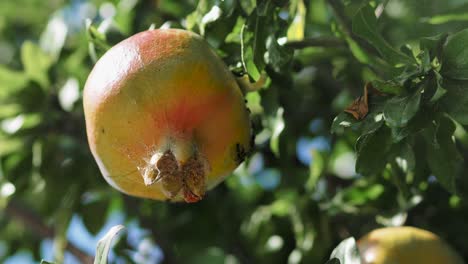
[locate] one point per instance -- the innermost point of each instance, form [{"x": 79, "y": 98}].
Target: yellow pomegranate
[
  {"x": 405, "y": 245},
  {"x": 165, "y": 118}
]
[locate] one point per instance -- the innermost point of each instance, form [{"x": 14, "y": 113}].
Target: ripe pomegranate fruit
[
  {"x": 165, "y": 117},
  {"x": 405, "y": 245}
]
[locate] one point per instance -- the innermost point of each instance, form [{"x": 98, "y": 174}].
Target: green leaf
[
  {"x": 92, "y": 221},
  {"x": 400, "y": 110},
  {"x": 277, "y": 128},
  {"x": 446, "y": 18},
  {"x": 364, "y": 24},
  {"x": 424, "y": 60},
  {"x": 361, "y": 193},
  {"x": 254, "y": 102},
  {"x": 254, "y": 36},
  {"x": 97, "y": 43},
  {"x": 420, "y": 121},
  {"x": 125, "y": 15},
  {"x": 248, "y": 6},
  {"x": 297, "y": 27},
  {"x": 358, "y": 52},
  {"x": 263, "y": 6},
  {"x": 388, "y": 87},
  {"x": 346, "y": 252},
  {"x": 279, "y": 57},
  {"x": 407, "y": 50},
  {"x": 104, "y": 245},
  {"x": 317, "y": 12},
  {"x": 194, "y": 19},
  {"x": 11, "y": 81},
  {"x": 54, "y": 36},
  {"x": 409, "y": 73},
  {"x": 442, "y": 155},
  {"x": 404, "y": 157},
  {"x": 111, "y": 32},
  {"x": 211, "y": 16},
  {"x": 235, "y": 35},
  {"x": 316, "y": 169},
  {"x": 46, "y": 262},
  {"x": 36, "y": 63},
  {"x": 214, "y": 20},
  {"x": 455, "y": 56},
  {"x": 433, "y": 44},
  {"x": 9, "y": 110},
  {"x": 372, "y": 150},
  {"x": 342, "y": 121},
  {"x": 69, "y": 94},
  {"x": 247, "y": 55},
  {"x": 333, "y": 261},
  {"x": 455, "y": 101},
  {"x": 432, "y": 89},
  {"x": 372, "y": 122},
  {"x": 174, "y": 8}
]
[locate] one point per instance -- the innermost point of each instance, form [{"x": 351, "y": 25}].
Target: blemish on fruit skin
[
  {"x": 252, "y": 142},
  {"x": 194, "y": 173},
  {"x": 241, "y": 153}
]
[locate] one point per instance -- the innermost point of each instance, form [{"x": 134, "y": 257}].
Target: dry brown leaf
[{"x": 360, "y": 107}]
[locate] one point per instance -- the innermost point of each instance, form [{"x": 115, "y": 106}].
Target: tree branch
[
  {"x": 344, "y": 21},
  {"x": 327, "y": 42},
  {"x": 32, "y": 221}
]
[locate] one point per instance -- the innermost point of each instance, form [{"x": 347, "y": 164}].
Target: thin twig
[
  {"x": 344, "y": 21},
  {"x": 33, "y": 221},
  {"x": 327, "y": 42}
]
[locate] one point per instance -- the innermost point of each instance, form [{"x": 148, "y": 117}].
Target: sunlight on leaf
[
  {"x": 53, "y": 38},
  {"x": 442, "y": 19},
  {"x": 36, "y": 63},
  {"x": 455, "y": 56},
  {"x": 104, "y": 245},
  {"x": 347, "y": 252},
  {"x": 278, "y": 126},
  {"x": 297, "y": 27},
  {"x": 11, "y": 81},
  {"x": 69, "y": 94}
]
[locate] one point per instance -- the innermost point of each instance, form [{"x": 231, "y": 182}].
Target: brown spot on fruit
[
  {"x": 251, "y": 141},
  {"x": 240, "y": 153},
  {"x": 193, "y": 172},
  {"x": 172, "y": 184},
  {"x": 166, "y": 165}
]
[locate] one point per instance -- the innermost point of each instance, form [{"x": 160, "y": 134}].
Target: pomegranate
[
  {"x": 405, "y": 245},
  {"x": 165, "y": 118}
]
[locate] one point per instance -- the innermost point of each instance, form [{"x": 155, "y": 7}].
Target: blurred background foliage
[{"x": 303, "y": 190}]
